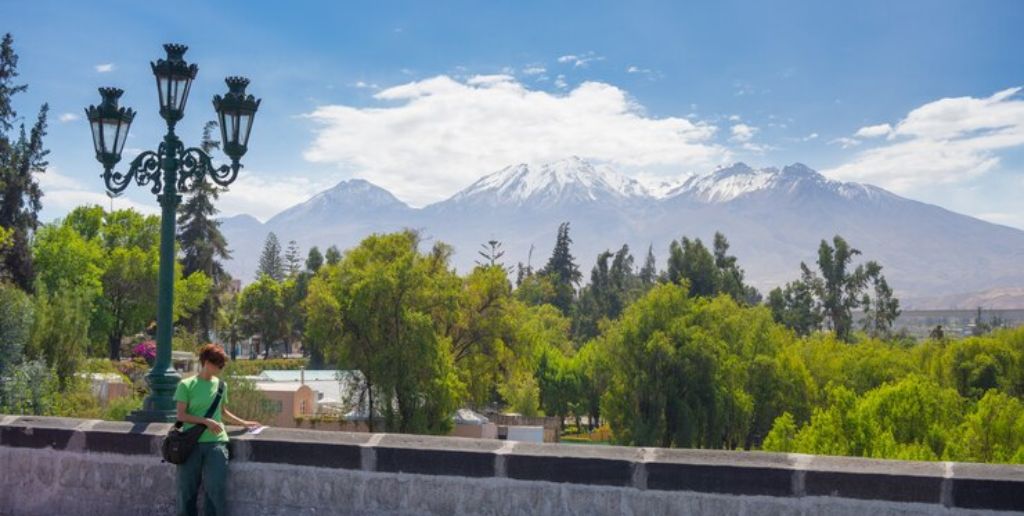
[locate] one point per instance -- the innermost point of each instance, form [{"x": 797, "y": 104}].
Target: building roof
[
  {"x": 311, "y": 375},
  {"x": 280, "y": 386}
]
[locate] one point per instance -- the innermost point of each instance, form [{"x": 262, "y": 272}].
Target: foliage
[
  {"x": 271, "y": 261},
  {"x": 22, "y": 159},
  {"x": 119, "y": 408},
  {"x": 261, "y": 305},
  {"x": 383, "y": 311},
  {"x": 202, "y": 244},
  {"x": 16, "y": 316},
  {"x": 708, "y": 274},
  {"x": 562, "y": 270},
  {"x": 60, "y": 333},
  {"x": 246, "y": 401}
]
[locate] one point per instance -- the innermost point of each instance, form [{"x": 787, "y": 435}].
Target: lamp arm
[
  {"x": 144, "y": 169},
  {"x": 195, "y": 164}
]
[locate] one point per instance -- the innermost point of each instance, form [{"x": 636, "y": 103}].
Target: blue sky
[{"x": 424, "y": 97}]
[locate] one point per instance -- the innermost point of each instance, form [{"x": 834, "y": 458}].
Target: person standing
[{"x": 208, "y": 462}]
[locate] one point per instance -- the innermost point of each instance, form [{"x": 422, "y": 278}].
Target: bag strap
[
  {"x": 213, "y": 406},
  {"x": 216, "y": 400}
]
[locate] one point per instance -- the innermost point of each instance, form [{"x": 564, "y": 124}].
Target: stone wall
[{"x": 72, "y": 466}]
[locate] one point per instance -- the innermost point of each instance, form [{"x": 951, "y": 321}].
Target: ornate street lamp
[{"x": 171, "y": 170}]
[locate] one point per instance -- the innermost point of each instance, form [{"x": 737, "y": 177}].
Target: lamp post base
[{"x": 159, "y": 406}]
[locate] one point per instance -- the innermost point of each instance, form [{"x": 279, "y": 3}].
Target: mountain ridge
[{"x": 774, "y": 218}]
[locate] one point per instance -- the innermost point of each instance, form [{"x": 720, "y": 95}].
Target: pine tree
[
  {"x": 271, "y": 263},
  {"x": 333, "y": 255},
  {"x": 21, "y": 160},
  {"x": 491, "y": 252},
  {"x": 561, "y": 268},
  {"x": 292, "y": 262},
  {"x": 649, "y": 272},
  {"x": 314, "y": 260},
  {"x": 203, "y": 246}
]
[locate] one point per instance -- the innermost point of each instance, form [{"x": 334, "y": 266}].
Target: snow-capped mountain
[
  {"x": 774, "y": 218},
  {"x": 566, "y": 182},
  {"x": 740, "y": 180}
]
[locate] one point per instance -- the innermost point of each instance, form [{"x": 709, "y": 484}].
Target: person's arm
[
  {"x": 183, "y": 416},
  {"x": 233, "y": 419}
]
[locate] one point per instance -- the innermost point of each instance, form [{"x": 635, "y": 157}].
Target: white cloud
[
  {"x": 742, "y": 132},
  {"x": 68, "y": 117},
  {"x": 580, "y": 61},
  {"x": 534, "y": 70},
  {"x": 845, "y": 142},
  {"x": 62, "y": 194},
  {"x": 874, "y": 131},
  {"x": 560, "y": 82},
  {"x": 809, "y": 137},
  {"x": 104, "y": 68},
  {"x": 945, "y": 141},
  {"x": 365, "y": 85},
  {"x": 734, "y": 118},
  {"x": 438, "y": 135}
]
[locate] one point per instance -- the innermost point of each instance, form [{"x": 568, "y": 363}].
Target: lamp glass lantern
[
  {"x": 235, "y": 112},
  {"x": 173, "y": 81},
  {"x": 110, "y": 124}
]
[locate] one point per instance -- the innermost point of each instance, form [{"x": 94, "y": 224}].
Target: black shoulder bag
[{"x": 178, "y": 444}]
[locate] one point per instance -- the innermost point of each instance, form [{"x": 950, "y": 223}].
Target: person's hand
[{"x": 214, "y": 427}]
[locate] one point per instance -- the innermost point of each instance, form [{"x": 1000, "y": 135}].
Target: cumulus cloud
[
  {"x": 874, "y": 131},
  {"x": 63, "y": 193},
  {"x": 104, "y": 68},
  {"x": 68, "y": 117},
  {"x": 438, "y": 135},
  {"x": 742, "y": 132},
  {"x": 945, "y": 141}
]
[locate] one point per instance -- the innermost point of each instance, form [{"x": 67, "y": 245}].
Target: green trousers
[{"x": 208, "y": 464}]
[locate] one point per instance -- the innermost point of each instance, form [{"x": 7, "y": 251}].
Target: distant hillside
[{"x": 774, "y": 219}]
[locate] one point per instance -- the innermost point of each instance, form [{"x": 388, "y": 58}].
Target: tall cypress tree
[
  {"x": 271, "y": 262},
  {"x": 562, "y": 270},
  {"x": 20, "y": 160},
  {"x": 649, "y": 272},
  {"x": 203, "y": 246},
  {"x": 292, "y": 261},
  {"x": 314, "y": 260},
  {"x": 333, "y": 255}
]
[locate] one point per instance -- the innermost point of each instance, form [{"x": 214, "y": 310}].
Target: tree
[
  {"x": 271, "y": 263},
  {"x": 839, "y": 289},
  {"x": 16, "y": 315},
  {"x": 491, "y": 253},
  {"x": 795, "y": 307},
  {"x": 292, "y": 262},
  {"x": 730, "y": 274},
  {"x": 649, "y": 272},
  {"x": 21, "y": 160},
  {"x": 881, "y": 311},
  {"x": 689, "y": 260},
  {"x": 333, "y": 255},
  {"x": 60, "y": 331},
  {"x": 203, "y": 246},
  {"x": 261, "y": 304},
  {"x": 383, "y": 311},
  {"x": 562, "y": 270},
  {"x": 314, "y": 260}
]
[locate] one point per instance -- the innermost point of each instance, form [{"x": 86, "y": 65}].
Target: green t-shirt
[{"x": 198, "y": 394}]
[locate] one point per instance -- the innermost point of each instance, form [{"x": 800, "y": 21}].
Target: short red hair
[{"x": 213, "y": 354}]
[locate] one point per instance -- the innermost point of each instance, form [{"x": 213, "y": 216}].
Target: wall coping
[{"x": 948, "y": 484}]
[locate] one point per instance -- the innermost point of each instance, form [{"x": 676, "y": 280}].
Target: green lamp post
[{"x": 171, "y": 170}]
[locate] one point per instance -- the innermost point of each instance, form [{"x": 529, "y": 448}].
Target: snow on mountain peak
[
  {"x": 739, "y": 180},
  {"x": 569, "y": 179}
]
